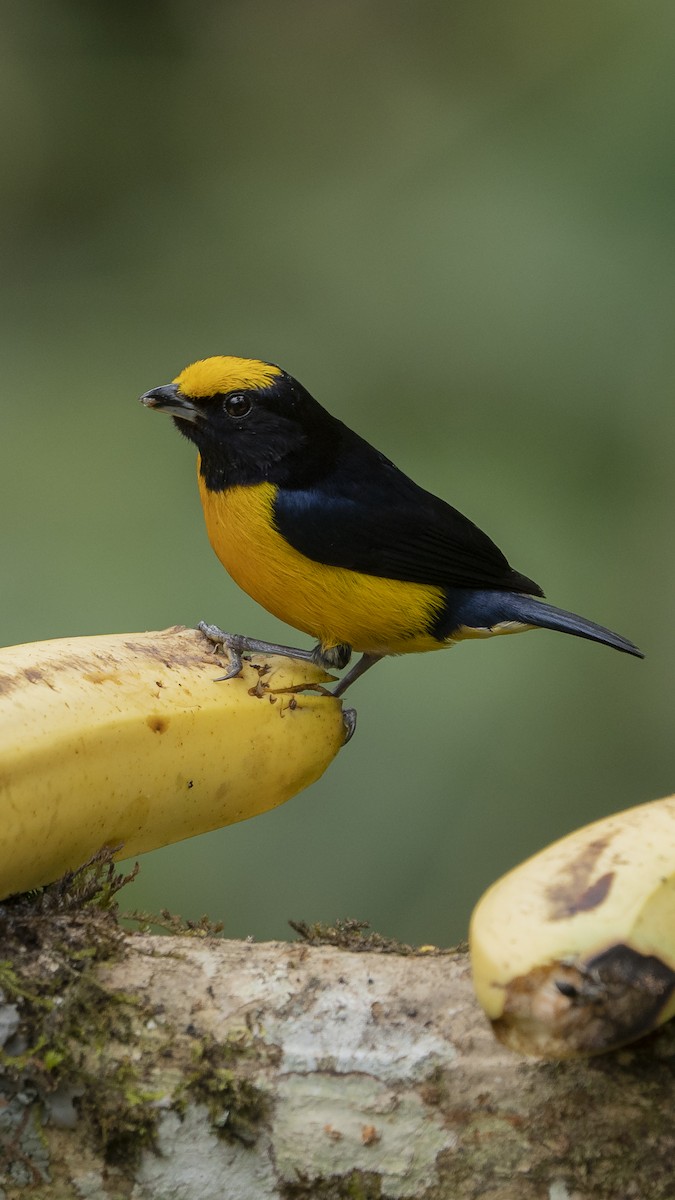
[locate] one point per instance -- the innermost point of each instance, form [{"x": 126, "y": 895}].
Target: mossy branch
[{"x": 189, "y": 1066}]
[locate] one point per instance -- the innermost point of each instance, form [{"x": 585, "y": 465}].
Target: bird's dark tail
[
  {"x": 545, "y": 616},
  {"x": 487, "y": 609}
]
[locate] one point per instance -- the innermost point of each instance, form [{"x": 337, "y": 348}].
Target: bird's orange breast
[{"x": 331, "y": 604}]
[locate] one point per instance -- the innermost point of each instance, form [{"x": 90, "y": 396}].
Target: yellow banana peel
[
  {"x": 573, "y": 952},
  {"x": 131, "y": 741}
]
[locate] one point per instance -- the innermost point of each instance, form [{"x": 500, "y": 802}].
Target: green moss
[
  {"x": 168, "y": 922},
  {"x": 53, "y": 940},
  {"x": 357, "y": 936},
  {"x": 14, "y": 989},
  {"x": 357, "y": 1185},
  {"x": 16, "y": 1064},
  {"x": 121, "y": 1114},
  {"x": 74, "y": 1034},
  {"x": 237, "y": 1107}
]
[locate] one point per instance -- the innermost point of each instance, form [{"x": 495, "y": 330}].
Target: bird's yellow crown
[{"x": 224, "y": 373}]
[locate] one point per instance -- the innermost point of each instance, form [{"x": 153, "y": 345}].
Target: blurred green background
[{"x": 454, "y": 223}]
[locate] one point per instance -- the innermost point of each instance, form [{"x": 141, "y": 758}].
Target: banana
[
  {"x": 130, "y": 741},
  {"x": 573, "y": 952}
]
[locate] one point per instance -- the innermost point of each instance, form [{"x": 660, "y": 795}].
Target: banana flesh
[
  {"x": 573, "y": 952},
  {"x": 130, "y": 741}
]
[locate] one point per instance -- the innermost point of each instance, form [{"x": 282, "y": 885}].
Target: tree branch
[{"x": 215, "y": 1068}]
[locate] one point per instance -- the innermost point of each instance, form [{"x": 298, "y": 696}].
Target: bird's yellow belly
[{"x": 331, "y": 604}]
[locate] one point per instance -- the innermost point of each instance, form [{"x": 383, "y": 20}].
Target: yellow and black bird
[{"x": 328, "y": 535}]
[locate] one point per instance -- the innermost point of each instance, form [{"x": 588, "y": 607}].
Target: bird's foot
[
  {"x": 334, "y": 658},
  {"x": 237, "y": 645}
]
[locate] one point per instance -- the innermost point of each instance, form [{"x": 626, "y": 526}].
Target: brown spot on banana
[{"x": 573, "y": 889}]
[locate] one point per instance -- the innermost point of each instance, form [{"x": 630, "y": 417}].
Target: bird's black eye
[{"x": 237, "y": 405}]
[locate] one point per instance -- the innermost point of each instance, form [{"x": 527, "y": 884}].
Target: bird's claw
[
  {"x": 349, "y": 722},
  {"x": 231, "y": 642},
  {"x": 233, "y": 670}
]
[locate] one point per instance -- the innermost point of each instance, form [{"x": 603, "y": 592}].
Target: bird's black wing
[{"x": 368, "y": 516}]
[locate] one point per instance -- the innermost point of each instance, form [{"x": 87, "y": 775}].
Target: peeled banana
[
  {"x": 130, "y": 741},
  {"x": 573, "y": 952}
]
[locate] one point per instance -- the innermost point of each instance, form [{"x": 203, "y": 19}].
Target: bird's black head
[{"x": 250, "y": 421}]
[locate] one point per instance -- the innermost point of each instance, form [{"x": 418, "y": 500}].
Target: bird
[{"x": 326, "y": 533}]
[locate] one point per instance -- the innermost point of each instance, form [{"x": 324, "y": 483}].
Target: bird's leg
[
  {"x": 236, "y": 645},
  {"x": 365, "y": 662},
  {"x": 333, "y": 658}
]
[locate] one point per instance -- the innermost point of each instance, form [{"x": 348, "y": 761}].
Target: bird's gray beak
[{"x": 169, "y": 400}]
